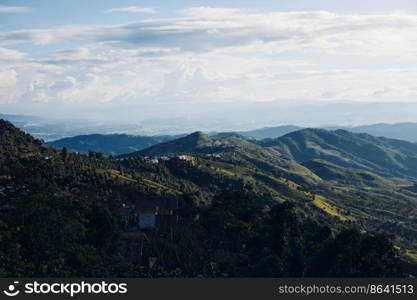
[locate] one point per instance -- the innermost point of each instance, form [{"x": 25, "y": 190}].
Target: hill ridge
[{"x": 384, "y": 156}]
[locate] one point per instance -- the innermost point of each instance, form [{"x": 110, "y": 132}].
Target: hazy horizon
[{"x": 219, "y": 119}]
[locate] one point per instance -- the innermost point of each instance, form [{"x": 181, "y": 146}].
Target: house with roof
[
  {"x": 156, "y": 213},
  {"x": 150, "y": 214}
]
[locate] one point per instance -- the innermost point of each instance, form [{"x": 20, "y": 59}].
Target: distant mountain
[
  {"x": 388, "y": 157},
  {"x": 401, "y": 131},
  {"x": 269, "y": 132},
  {"x": 111, "y": 144}
]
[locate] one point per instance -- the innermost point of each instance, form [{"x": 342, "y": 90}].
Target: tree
[{"x": 64, "y": 153}]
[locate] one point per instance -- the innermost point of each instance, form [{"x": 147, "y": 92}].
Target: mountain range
[
  {"x": 336, "y": 178},
  {"x": 387, "y": 157},
  {"x": 371, "y": 177},
  {"x": 117, "y": 144},
  {"x": 400, "y": 131}
]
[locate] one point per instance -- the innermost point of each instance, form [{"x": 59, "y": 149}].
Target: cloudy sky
[{"x": 136, "y": 58}]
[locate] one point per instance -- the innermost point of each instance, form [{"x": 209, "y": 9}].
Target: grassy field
[
  {"x": 320, "y": 202},
  {"x": 411, "y": 254}
]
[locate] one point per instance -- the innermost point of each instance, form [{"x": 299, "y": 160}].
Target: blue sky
[
  {"x": 156, "y": 57},
  {"x": 48, "y": 13}
]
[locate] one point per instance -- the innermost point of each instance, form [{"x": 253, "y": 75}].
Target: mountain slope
[
  {"x": 111, "y": 144},
  {"x": 16, "y": 143},
  {"x": 196, "y": 142},
  {"x": 201, "y": 143},
  {"x": 348, "y": 176},
  {"x": 233, "y": 148},
  {"x": 387, "y": 157}
]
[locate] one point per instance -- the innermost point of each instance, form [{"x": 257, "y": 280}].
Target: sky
[{"x": 138, "y": 60}]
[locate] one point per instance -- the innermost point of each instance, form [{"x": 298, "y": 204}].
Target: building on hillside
[
  {"x": 154, "y": 161},
  {"x": 157, "y": 213},
  {"x": 188, "y": 158},
  {"x": 150, "y": 213}
]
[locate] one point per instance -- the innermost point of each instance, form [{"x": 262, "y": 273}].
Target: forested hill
[
  {"x": 241, "y": 214},
  {"x": 355, "y": 177},
  {"x": 199, "y": 142},
  {"x": 192, "y": 143},
  {"x": 233, "y": 149},
  {"x": 118, "y": 144},
  {"x": 15, "y": 142},
  {"x": 110, "y": 144},
  {"x": 388, "y": 157}
]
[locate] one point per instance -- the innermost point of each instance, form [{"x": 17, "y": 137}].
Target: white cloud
[
  {"x": 210, "y": 29},
  {"x": 10, "y": 55},
  {"x": 133, "y": 9},
  {"x": 212, "y": 54},
  {"x": 8, "y": 86},
  {"x": 7, "y": 78},
  {"x": 76, "y": 53},
  {"x": 14, "y": 9},
  {"x": 119, "y": 75}
]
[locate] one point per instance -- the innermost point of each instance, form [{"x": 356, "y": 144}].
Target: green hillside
[
  {"x": 332, "y": 172},
  {"x": 197, "y": 142},
  {"x": 386, "y": 157},
  {"x": 340, "y": 167},
  {"x": 110, "y": 144}
]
